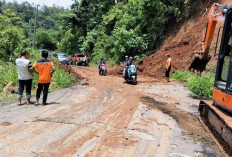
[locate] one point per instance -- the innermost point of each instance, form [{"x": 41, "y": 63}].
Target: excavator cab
[{"x": 222, "y": 94}]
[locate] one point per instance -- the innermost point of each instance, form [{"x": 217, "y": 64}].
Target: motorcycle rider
[
  {"x": 100, "y": 63},
  {"x": 128, "y": 63},
  {"x": 125, "y": 63}
]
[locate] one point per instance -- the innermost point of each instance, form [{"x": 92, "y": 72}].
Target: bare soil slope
[{"x": 180, "y": 46}]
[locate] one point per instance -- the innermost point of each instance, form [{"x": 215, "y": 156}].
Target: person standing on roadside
[
  {"x": 46, "y": 69},
  {"x": 24, "y": 70},
  {"x": 168, "y": 67}
]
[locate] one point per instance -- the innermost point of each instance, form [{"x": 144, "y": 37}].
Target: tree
[
  {"x": 10, "y": 37},
  {"x": 44, "y": 40}
]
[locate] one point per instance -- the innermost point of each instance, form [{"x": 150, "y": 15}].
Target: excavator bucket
[{"x": 218, "y": 124}]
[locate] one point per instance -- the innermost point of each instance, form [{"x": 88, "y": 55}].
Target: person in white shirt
[{"x": 24, "y": 70}]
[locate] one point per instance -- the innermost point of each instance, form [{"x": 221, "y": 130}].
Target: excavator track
[{"x": 219, "y": 125}]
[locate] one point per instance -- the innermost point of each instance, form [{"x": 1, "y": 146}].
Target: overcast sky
[{"x": 63, "y": 3}]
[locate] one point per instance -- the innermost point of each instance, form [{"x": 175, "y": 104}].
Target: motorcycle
[
  {"x": 103, "y": 70},
  {"x": 131, "y": 76}
]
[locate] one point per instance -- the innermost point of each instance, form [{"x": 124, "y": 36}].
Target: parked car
[
  {"x": 79, "y": 59},
  {"x": 62, "y": 57}
]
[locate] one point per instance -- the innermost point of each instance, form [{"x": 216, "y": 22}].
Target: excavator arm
[
  {"x": 213, "y": 17},
  {"x": 202, "y": 57}
]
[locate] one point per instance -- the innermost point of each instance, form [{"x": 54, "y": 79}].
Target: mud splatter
[{"x": 5, "y": 124}]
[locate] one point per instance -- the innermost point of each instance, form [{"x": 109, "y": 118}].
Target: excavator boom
[
  {"x": 202, "y": 57},
  {"x": 213, "y": 18}
]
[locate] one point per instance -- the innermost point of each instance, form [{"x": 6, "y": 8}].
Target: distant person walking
[
  {"x": 168, "y": 67},
  {"x": 24, "y": 70},
  {"x": 46, "y": 69}
]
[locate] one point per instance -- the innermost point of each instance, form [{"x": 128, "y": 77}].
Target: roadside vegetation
[
  {"x": 199, "y": 85},
  {"x": 9, "y": 78},
  {"x": 16, "y": 34}
]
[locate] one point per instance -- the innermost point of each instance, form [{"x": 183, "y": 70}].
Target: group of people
[
  {"x": 129, "y": 61},
  {"x": 45, "y": 70}
]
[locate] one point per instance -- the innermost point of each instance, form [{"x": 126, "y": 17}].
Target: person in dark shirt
[
  {"x": 125, "y": 63},
  {"x": 100, "y": 63},
  {"x": 130, "y": 62}
]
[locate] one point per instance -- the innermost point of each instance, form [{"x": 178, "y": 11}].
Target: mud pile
[{"x": 67, "y": 68}]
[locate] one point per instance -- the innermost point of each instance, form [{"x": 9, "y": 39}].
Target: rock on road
[{"x": 106, "y": 117}]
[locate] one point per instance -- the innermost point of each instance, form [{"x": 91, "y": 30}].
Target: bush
[
  {"x": 61, "y": 78},
  {"x": 201, "y": 86},
  {"x": 8, "y": 74}
]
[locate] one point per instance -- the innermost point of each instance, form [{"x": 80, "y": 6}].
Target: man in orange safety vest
[{"x": 168, "y": 67}]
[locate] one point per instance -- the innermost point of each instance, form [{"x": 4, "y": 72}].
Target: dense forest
[
  {"x": 101, "y": 28},
  {"x": 112, "y": 29}
]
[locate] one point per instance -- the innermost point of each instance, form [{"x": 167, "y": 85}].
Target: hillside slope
[{"x": 180, "y": 46}]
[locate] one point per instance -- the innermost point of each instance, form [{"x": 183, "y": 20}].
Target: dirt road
[{"x": 106, "y": 117}]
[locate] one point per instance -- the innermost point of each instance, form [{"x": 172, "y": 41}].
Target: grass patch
[
  {"x": 181, "y": 76},
  {"x": 199, "y": 85}
]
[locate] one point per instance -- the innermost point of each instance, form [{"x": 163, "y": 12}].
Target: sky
[{"x": 63, "y": 3}]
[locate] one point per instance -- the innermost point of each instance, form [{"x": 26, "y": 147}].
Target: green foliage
[
  {"x": 130, "y": 27},
  {"x": 70, "y": 42},
  {"x": 199, "y": 85},
  {"x": 8, "y": 74},
  {"x": 181, "y": 76},
  {"x": 10, "y": 36},
  {"x": 16, "y": 28},
  {"x": 202, "y": 86},
  {"x": 61, "y": 78},
  {"x": 44, "y": 40}
]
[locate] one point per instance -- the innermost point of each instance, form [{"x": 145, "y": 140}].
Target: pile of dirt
[
  {"x": 116, "y": 71},
  {"x": 67, "y": 68}
]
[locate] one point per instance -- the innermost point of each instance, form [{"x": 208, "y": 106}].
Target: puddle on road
[
  {"x": 185, "y": 120},
  {"x": 5, "y": 124}
]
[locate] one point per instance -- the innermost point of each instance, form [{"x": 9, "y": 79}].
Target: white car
[{"x": 62, "y": 57}]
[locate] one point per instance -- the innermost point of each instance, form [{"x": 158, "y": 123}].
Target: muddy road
[{"x": 106, "y": 117}]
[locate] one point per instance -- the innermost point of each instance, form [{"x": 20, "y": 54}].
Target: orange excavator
[{"x": 216, "y": 115}]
